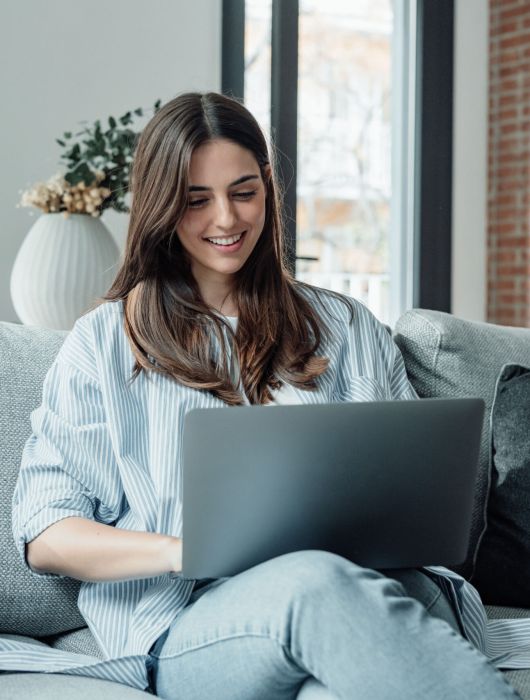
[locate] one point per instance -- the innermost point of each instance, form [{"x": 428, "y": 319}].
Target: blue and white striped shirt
[{"x": 109, "y": 451}]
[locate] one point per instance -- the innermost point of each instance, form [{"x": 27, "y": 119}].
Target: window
[{"x": 368, "y": 201}]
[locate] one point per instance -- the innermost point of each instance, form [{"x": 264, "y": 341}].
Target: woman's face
[{"x": 225, "y": 213}]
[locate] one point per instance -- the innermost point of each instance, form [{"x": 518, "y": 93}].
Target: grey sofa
[{"x": 445, "y": 356}]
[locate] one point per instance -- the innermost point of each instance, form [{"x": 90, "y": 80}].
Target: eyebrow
[{"x": 239, "y": 181}]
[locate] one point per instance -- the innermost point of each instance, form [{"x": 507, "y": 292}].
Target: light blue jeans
[{"x": 261, "y": 634}]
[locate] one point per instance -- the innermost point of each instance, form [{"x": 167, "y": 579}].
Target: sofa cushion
[
  {"x": 502, "y": 571},
  {"x": 50, "y": 686},
  {"x": 29, "y": 604},
  {"x": 448, "y": 356},
  {"x": 80, "y": 641}
]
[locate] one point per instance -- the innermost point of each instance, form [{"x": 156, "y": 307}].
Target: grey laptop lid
[{"x": 384, "y": 484}]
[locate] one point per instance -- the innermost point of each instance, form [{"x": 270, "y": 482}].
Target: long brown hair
[{"x": 168, "y": 324}]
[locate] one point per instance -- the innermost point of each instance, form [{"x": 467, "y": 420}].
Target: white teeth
[{"x": 225, "y": 241}]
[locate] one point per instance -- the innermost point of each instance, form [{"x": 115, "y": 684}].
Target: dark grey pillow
[{"x": 502, "y": 572}]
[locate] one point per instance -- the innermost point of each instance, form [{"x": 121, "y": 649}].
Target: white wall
[
  {"x": 63, "y": 61},
  {"x": 470, "y": 160}
]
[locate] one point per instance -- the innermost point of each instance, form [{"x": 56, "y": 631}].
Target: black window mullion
[
  {"x": 434, "y": 158},
  {"x": 284, "y": 110},
  {"x": 233, "y": 48}
]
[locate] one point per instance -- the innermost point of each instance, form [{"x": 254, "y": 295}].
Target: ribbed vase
[{"x": 62, "y": 266}]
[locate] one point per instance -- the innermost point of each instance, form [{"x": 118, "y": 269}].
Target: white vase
[{"x": 62, "y": 266}]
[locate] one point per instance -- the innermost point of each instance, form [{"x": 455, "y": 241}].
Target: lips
[
  {"x": 225, "y": 238},
  {"x": 228, "y": 247}
]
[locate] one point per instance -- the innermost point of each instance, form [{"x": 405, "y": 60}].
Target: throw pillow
[{"x": 502, "y": 572}]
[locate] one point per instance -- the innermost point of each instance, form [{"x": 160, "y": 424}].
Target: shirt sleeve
[
  {"x": 375, "y": 355},
  {"x": 400, "y": 386},
  {"x": 68, "y": 467}
]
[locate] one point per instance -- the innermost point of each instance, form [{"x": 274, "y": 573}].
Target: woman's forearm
[{"x": 89, "y": 551}]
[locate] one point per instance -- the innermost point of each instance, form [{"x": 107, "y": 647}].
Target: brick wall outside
[{"x": 509, "y": 163}]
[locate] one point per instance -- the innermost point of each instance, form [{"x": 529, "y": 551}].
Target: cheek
[
  {"x": 190, "y": 226},
  {"x": 259, "y": 213}
]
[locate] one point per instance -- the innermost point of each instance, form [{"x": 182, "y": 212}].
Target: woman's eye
[{"x": 196, "y": 203}]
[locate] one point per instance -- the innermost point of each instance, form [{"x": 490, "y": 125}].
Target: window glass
[
  {"x": 344, "y": 168},
  {"x": 344, "y": 148},
  {"x": 258, "y": 16}
]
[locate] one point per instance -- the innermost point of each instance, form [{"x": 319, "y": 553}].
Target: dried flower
[{"x": 57, "y": 195}]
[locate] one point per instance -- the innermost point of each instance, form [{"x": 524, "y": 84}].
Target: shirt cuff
[{"x": 41, "y": 520}]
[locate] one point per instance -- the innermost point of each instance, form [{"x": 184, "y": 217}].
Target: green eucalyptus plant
[{"x": 96, "y": 150}]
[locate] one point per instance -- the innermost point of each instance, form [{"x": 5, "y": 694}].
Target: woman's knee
[
  {"x": 317, "y": 574},
  {"x": 312, "y": 565},
  {"x": 312, "y": 584}
]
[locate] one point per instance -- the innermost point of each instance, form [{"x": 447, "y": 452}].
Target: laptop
[{"x": 384, "y": 484}]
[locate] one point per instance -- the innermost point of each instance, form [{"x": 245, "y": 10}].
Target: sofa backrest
[
  {"x": 29, "y": 605},
  {"x": 448, "y": 356}
]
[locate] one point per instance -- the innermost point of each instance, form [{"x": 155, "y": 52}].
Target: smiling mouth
[{"x": 226, "y": 241}]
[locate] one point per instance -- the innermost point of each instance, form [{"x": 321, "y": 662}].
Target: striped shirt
[{"x": 109, "y": 451}]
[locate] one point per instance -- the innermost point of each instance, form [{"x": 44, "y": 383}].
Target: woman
[{"x": 203, "y": 313}]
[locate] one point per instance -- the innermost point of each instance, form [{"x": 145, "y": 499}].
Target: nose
[{"x": 225, "y": 215}]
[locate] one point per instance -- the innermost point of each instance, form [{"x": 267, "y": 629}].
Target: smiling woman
[
  {"x": 206, "y": 242},
  {"x": 224, "y": 219},
  {"x": 100, "y": 492}
]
